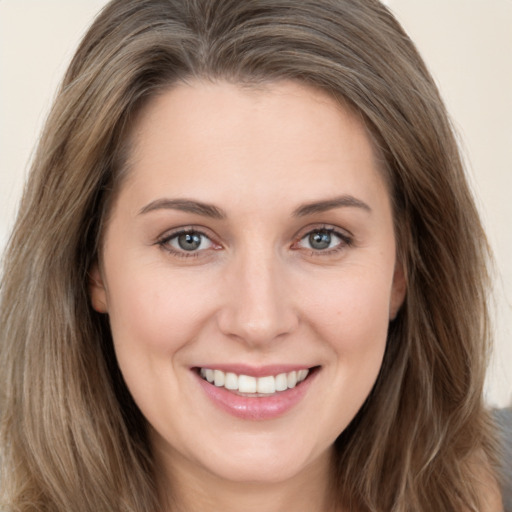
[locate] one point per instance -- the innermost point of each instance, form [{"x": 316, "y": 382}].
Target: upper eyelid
[
  {"x": 343, "y": 239},
  {"x": 342, "y": 232},
  {"x": 164, "y": 242},
  {"x": 171, "y": 233}
]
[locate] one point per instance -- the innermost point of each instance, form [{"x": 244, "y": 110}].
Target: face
[{"x": 249, "y": 274}]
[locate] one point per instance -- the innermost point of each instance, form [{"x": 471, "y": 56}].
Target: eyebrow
[
  {"x": 185, "y": 205},
  {"x": 209, "y": 210},
  {"x": 330, "y": 204}
]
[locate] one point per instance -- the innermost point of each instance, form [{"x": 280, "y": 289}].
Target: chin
[{"x": 262, "y": 464}]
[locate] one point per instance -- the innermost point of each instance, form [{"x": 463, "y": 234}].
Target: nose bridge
[{"x": 257, "y": 309}]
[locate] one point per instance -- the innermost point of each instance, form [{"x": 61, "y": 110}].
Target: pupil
[
  {"x": 320, "y": 239},
  {"x": 189, "y": 241}
]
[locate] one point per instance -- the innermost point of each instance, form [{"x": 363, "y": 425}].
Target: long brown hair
[{"x": 71, "y": 436}]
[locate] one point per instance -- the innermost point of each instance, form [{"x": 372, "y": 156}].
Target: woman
[{"x": 247, "y": 272}]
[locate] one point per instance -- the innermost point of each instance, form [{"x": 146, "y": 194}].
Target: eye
[
  {"x": 320, "y": 240},
  {"x": 186, "y": 242},
  {"x": 324, "y": 240},
  {"x": 190, "y": 241}
]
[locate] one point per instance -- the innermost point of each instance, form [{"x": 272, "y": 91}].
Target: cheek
[
  {"x": 348, "y": 319},
  {"x": 353, "y": 307},
  {"x": 352, "y": 318},
  {"x": 153, "y": 309},
  {"x": 153, "y": 316}
]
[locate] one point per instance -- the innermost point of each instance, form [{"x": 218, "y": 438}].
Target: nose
[{"x": 258, "y": 306}]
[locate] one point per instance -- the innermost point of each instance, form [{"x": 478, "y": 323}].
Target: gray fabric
[{"x": 504, "y": 421}]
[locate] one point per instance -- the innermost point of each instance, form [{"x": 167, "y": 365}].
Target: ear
[
  {"x": 97, "y": 290},
  {"x": 398, "y": 291}
]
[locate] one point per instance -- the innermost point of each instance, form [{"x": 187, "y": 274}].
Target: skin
[{"x": 256, "y": 292}]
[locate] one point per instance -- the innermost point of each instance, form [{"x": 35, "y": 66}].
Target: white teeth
[
  {"x": 301, "y": 375},
  {"x": 247, "y": 384},
  {"x": 267, "y": 385},
  {"x": 218, "y": 378},
  {"x": 282, "y": 382},
  {"x": 231, "y": 381},
  {"x": 292, "y": 379}
]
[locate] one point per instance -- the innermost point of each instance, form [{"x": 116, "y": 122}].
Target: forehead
[{"x": 226, "y": 140}]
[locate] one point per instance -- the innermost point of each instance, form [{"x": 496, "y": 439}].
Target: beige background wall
[{"x": 466, "y": 43}]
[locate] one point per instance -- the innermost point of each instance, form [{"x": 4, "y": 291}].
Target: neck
[{"x": 186, "y": 488}]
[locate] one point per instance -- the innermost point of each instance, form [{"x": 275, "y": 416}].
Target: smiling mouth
[{"x": 249, "y": 386}]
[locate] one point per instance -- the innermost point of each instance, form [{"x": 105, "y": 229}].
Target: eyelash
[
  {"x": 164, "y": 242},
  {"x": 345, "y": 241}
]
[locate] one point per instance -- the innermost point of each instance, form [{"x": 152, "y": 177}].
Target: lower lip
[{"x": 257, "y": 408}]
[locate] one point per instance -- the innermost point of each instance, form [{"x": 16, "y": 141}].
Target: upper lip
[{"x": 256, "y": 371}]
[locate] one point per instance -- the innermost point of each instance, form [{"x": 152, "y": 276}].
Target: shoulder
[
  {"x": 491, "y": 497},
  {"x": 487, "y": 489},
  {"x": 488, "y": 479},
  {"x": 503, "y": 420}
]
